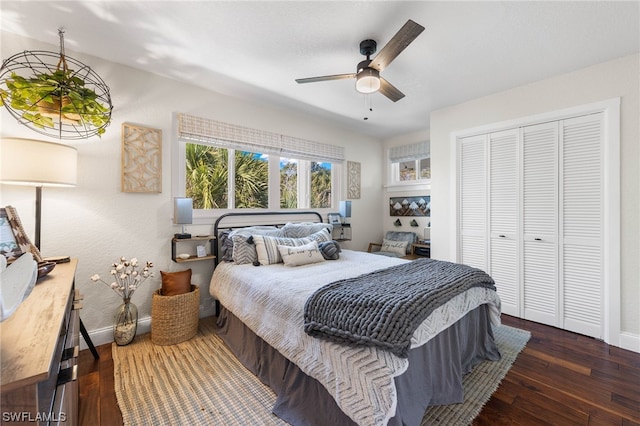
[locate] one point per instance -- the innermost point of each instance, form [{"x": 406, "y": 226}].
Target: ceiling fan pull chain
[{"x": 367, "y": 106}]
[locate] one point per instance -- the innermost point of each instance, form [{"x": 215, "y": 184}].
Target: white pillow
[
  {"x": 301, "y": 255},
  {"x": 392, "y": 246},
  {"x": 267, "y": 247}
]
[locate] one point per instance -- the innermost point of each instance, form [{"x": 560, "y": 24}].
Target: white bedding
[{"x": 270, "y": 301}]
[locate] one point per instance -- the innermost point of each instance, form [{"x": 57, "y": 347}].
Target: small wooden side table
[{"x": 418, "y": 250}]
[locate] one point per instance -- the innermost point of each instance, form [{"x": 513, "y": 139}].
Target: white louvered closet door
[
  {"x": 540, "y": 223},
  {"x": 473, "y": 202},
  {"x": 504, "y": 262},
  {"x": 581, "y": 195}
]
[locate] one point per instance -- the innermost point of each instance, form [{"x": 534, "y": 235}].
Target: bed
[{"x": 323, "y": 381}]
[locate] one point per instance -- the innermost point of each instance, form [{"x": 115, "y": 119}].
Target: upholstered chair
[{"x": 394, "y": 244}]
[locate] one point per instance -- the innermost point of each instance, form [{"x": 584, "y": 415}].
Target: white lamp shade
[
  {"x": 39, "y": 163},
  {"x": 345, "y": 208},
  {"x": 368, "y": 81},
  {"x": 182, "y": 210}
]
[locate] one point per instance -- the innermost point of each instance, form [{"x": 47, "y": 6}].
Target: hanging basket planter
[{"x": 55, "y": 95}]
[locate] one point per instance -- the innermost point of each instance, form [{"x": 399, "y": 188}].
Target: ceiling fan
[{"x": 367, "y": 73}]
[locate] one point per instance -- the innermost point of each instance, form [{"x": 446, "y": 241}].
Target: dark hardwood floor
[{"x": 560, "y": 378}]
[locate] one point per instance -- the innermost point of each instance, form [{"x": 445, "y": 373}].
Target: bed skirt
[{"x": 434, "y": 376}]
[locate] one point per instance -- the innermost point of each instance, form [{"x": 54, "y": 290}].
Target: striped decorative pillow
[{"x": 267, "y": 247}]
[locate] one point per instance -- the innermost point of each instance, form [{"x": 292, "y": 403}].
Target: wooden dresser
[{"x": 38, "y": 352}]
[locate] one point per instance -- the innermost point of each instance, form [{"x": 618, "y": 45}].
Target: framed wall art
[
  {"x": 353, "y": 180},
  {"x": 410, "y": 206},
  {"x": 141, "y": 159}
]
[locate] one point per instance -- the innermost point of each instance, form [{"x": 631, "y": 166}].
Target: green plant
[{"x": 60, "y": 95}]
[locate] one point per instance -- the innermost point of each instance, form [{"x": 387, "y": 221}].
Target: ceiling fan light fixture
[{"x": 368, "y": 80}]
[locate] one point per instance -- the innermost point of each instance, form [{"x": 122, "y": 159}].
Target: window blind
[
  {"x": 410, "y": 152},
  {"x": 225, "y": 135}
]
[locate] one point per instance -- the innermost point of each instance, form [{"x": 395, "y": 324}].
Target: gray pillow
[
  {"x": 226, "y": 246},
  {"x": 330, "y": 249},
  {"x": 301, "y": 230},
  {"x": 244, "y": 250}
]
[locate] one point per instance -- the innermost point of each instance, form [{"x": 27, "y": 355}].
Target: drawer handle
[
  {"x": 538, "y": 239},
  {"x": 502, "y": 236},
  {"x": 67, "y": 375}
]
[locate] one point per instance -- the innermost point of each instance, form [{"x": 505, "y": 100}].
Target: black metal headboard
[{"x": 218, "y": 223}]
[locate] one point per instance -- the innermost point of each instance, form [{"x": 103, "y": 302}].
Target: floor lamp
[{"x": 37, "y": 163}]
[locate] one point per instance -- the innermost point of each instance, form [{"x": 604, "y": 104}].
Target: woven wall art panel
[{"x": 141, "y": 159}]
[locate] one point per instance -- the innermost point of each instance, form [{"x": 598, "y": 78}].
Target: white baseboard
[
  {"x": 630, "y": 341},
  {"x": 104, "y": 335}
]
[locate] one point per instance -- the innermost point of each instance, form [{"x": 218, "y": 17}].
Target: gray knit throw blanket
[{"x": 384, "y": 308}]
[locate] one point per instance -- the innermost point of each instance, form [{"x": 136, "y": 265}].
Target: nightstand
[
  {"x": 341, "y": 232},
  {"x": 421, "y": 249},
  {"x": 204, "y": 238}
]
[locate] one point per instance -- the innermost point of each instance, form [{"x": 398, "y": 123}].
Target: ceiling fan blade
[
  {"x": 396, "y": 45},
  {"x": 324, "y": 78},
  {"x": 390, "y": 91}
]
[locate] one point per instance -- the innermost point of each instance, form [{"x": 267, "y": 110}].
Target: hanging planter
[{"x": 55, "y": 95}]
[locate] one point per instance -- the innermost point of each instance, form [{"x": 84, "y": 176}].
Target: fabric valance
[
  {"x": 410, "y": 152},
  {"x": 226, "y": 135}
]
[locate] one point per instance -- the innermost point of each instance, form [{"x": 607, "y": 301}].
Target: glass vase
[{"x": 125, "y": 323}]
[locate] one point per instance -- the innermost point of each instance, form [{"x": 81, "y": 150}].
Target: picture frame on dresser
[{"x": 8, "y": 244}]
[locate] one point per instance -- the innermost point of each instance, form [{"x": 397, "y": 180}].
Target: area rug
[{"x": 201, "y": 382}]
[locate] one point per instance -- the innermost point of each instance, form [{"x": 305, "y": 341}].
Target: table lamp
[
  {"x": 182, "y": 214},
  {"x": 345, "y": 210},
  {"x": 37, "y": 163}
]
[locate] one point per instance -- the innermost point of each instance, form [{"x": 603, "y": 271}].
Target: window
[
  {"x": 288, "y": 183},
  {"x": 206, "y": 177},
  {"x": 320, "y": 185},
  {"x": 227, "y": 167},
  {"x": 409, "y": 164}
]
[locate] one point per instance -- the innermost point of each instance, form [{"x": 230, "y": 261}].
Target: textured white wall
[
  {"x": 97, "y": 223},
  {"x": 618, "y": 78}
]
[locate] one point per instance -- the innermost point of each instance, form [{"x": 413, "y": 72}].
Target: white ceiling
[{"x": 256, "y": 50}]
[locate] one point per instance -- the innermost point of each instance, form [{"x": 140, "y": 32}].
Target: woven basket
[{"x": 174, "y": 319}]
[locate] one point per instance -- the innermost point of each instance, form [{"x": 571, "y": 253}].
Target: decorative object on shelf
[
  {"x": 141, "y": 159},
  {"x": 55, "y": 95},
  {"x": 182, "y": 215},
  {"x": 38, "y": 163},
  {"x": 127, "y": 280},
  {"x": 334, "y": 218},
  {"x": 397, "y": 223},
  {"x": 353, "y": 180},
  {"x": 413, "y": 223},
  {"x": 427, "y": 232},
  {"x": 410, "y": 206}
]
